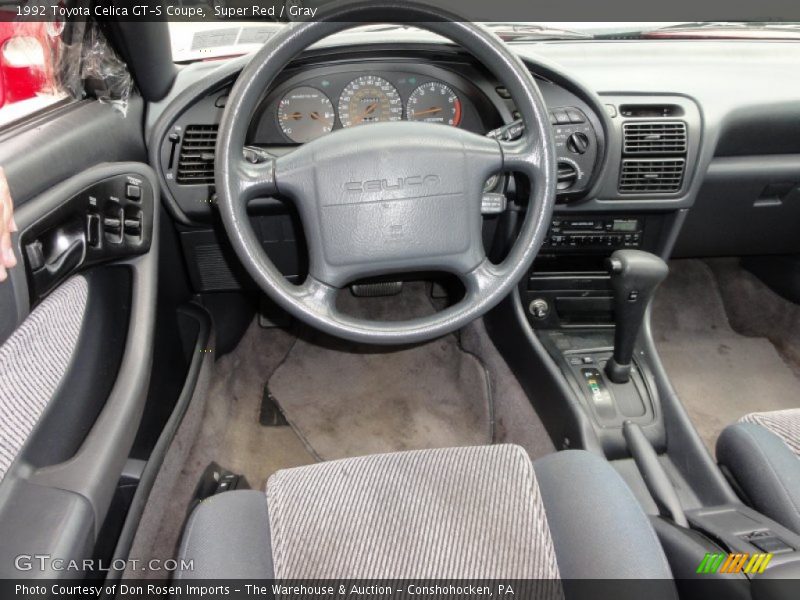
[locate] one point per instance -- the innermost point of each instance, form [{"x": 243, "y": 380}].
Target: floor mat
[
  {"x": 346, "y": 399},
  {"x": 719, "y": 374}
]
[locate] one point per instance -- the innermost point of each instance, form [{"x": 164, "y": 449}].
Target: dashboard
[
  {"x": 325, "y": 92},
  {"x": 683, "y": 150}
]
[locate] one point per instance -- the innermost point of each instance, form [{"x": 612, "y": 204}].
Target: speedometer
[
  {"x": 434, "y": 102},
  {"x": 369, "y": 99},
  {"x": 304, "y": 114}
]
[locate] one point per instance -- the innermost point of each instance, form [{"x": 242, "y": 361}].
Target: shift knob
[{"x": 635, "y": 275}]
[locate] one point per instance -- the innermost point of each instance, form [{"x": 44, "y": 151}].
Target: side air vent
[
  {"x": 196, "y": 160},
  {"x": 644, "y": 175},
  {"x": 655, "y": 138}
]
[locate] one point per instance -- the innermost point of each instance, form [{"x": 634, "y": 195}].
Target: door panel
[
  {"x": 83, "y": 134},
  {"x": 77, "y": 318}
]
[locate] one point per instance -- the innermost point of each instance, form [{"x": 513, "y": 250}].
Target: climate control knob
[
  {"x": 567, "y": 175},
  {"x": 578, "y": 143}
]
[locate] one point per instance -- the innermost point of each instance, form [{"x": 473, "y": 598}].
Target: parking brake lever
[{"x": 653, "y": 473}]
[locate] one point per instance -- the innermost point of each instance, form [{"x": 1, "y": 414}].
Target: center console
[
  {"x": 577, "y": 336},
  {"x": 568, "y": 300},
  {"x": 585, "y": 302},
  {"x": 583, "y": 315}
]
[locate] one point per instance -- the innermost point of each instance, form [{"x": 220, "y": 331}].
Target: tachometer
[
  {"x": 305, "y": 113},
  {"x": 369, "y": 99},
  {"x": 434, "y": 102}
]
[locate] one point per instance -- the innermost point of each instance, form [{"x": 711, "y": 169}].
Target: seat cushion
[
  {"x": 762, "y": 453},
  {"x": 783, "y": 423},
  {"x": 479, "y": 512},
  {"x": 449, "y": 513}
]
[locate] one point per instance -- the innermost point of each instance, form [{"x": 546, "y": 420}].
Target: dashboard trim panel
[{"x": 190, "y": 204}]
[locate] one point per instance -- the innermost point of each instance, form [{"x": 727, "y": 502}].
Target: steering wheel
[{"x": 387, "y": 197}]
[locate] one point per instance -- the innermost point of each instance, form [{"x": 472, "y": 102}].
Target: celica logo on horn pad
[{"x": 395, "y": 184}]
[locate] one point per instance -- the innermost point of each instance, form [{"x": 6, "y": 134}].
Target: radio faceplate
[{"x": 595, "y": 233}]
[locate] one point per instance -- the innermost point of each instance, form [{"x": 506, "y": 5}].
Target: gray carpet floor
[
  {"x": 220, "y": 426},
  {"x": 222, "y": 423},
  {"x": 346, "y": 399},
  {"x": 721, "y": 367},
  {"x": 755, "y": 310}
]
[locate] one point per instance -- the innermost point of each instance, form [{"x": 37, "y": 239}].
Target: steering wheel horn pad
[
  {"x": 386, "y": 197},
  {"x": 390, "y": 197}
]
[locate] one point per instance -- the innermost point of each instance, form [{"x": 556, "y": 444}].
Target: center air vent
[
  {"x": 655, "y": 138},
  {"x": 196, "y": 161},
  {"x": 645, "y": 175}
]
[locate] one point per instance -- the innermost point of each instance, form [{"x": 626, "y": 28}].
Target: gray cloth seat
[
  {"x": 475, "y": 512},
  {"x": 762, "y": 453}
]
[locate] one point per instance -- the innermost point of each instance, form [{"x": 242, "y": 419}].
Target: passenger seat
[{"x": 762, "y": 453}]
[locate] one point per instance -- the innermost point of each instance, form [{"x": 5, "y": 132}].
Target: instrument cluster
[{"x": 311, "y": 108}]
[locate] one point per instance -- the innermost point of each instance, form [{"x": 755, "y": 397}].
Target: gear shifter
[{"x": 635, "y": 275}]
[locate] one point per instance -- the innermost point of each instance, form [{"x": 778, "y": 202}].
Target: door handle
[{"x": 67, "y": 250}]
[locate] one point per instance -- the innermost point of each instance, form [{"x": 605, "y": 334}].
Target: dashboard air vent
[
  {"x": 655, "y": 138},
  {"x": 196, "y": 160},
  {"x": 644, "y": 175}
]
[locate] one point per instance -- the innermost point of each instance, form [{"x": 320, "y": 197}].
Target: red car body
[{"x": 22, "y": 79}]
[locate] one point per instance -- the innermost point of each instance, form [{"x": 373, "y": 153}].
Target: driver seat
[{"x": 474, "y": 512}]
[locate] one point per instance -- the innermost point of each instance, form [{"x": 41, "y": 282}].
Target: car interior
[{"x": 426, "y": 299}]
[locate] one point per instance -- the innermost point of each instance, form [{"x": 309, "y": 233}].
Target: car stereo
[{"x": 601, "y": 233}]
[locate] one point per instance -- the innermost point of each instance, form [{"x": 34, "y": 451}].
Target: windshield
[{"x": 195, "y": 40}]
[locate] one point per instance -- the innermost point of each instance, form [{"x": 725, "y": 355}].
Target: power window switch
[
  {"x": 112, "y": 225},
  {"x": 113, "y": 229},
  {"x": 133, "y": 227}
]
